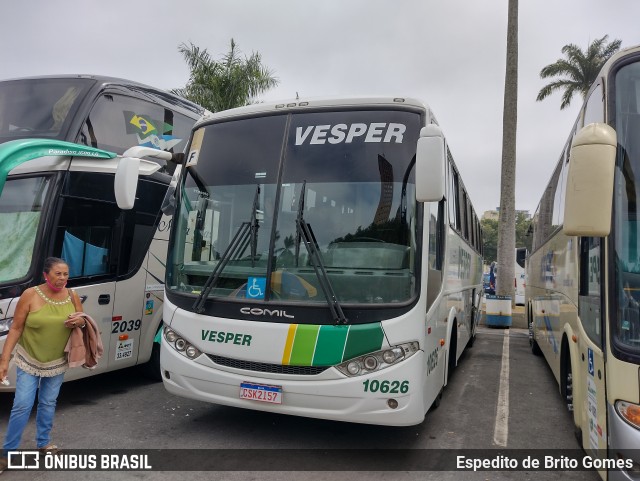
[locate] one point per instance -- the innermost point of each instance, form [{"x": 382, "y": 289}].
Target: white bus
[
  {"x": 57, "y": 198},
  {"x": 324, "y": 261},
  {"x": 583, "y": 275}
]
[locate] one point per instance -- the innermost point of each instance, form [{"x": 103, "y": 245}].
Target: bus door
[
  {"x": 590, "y": 370},
  {"x": 127, "y": 320},
  {"x": 86, "y": 237},
  {"x": 97, "y": 301},
  {"x": 138, "y": 301}
]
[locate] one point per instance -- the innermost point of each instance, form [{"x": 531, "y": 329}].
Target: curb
[{"x": 518, "y": 319}]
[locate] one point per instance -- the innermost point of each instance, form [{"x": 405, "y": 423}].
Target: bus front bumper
[
  {"x": 624, "y": 442},
  {"x": 339, "y": 398}
]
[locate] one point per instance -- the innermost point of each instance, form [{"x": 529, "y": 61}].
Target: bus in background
[
  {"x": 520, "y": 275},
  {"x": 324, "y": 261},
  {"x": 583, "y": 274},
  {"x": 60, "y": 142}
]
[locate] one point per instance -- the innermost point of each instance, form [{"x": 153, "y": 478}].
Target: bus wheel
[
  {"x": 151, "y": 369},
  {"x": 535, "y": 348}
]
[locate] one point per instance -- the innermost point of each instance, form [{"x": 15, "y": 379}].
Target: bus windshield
[
  {"x": 347, "y": 174},
  {"x": 39, "y": 107},
  {"x": 21, "y": 204},
  {"x": 626, "y": 326}
]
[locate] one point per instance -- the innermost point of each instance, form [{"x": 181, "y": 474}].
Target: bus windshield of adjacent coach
[
  {"x": 626, "y": 326},
  {"x": 39, "y": 107},
  {"x": 246, "y": 198}
]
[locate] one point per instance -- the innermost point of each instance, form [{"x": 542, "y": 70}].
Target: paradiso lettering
[
  {"x": 83, "y": 153},
  {"x": 339, "y": 133}
]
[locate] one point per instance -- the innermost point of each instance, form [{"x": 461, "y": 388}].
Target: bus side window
[
  {"x": 140, "y": 224},
  {"x": 436, "y": 251},
  {"x": 86, "y": 228},
  {"x": 94, "y": 236},
  {"x": 589, "y": 304}
]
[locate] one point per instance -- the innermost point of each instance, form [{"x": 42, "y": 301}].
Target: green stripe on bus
[
  {"x": 330, "y": 345},
  {"x": 362, "y": 339},
  {"x": 304, "y": 345},
  {"x": 16, "y": 152}
]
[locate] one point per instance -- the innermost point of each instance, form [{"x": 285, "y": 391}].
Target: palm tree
[
  {"x": 227, "y": 83},
  {"x": 579, "y": 68},
  {"x": 507, "y": 220}
]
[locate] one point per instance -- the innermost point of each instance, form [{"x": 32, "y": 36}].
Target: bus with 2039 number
[
  {"x": 63, "y": 140},
  {"x": 324, "y": 261}
]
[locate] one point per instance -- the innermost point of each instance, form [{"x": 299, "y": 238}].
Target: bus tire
[
  {"x": 566, "y": 375},
  {"x": 453, "y": 347},
  {"x": 535, "y": 349},
  {"x": 577, "y": 432},
  {"x": 474, "y": 327},
  {"x": 437, "y": 400},
  {"x": 151, "y": 369}
]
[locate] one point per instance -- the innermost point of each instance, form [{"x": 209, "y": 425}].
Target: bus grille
[{"x": 265, "y": 367}]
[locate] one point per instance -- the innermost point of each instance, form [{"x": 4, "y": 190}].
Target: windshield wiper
[
  {"x": 305, "y": 234},
  {"x": 246, "y": 233}
]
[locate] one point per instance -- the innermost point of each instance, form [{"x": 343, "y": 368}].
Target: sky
[{"x": 450, "y": 54}]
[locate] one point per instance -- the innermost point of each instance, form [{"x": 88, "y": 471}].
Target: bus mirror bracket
[
  {"x": 430, "y": 161},
  {"x": 589, "y": 188}
]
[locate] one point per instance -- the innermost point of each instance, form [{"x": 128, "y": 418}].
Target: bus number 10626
[{"x": 391, "y": 387}]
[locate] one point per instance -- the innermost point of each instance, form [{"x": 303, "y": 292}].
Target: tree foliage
[
  {"x": 232, "y": 81},
  {"x": 578, "y": 70},
  {"x": 490, "y": 235}
]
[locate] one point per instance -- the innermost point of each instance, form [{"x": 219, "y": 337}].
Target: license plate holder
[{"x": 261, "y": 392}]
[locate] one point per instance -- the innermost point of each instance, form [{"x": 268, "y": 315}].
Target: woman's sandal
[{"x": 50, "y": 449}]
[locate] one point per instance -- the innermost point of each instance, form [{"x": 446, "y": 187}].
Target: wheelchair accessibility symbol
[{"x": 256, "y": 287}]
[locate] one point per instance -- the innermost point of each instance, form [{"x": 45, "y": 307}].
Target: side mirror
[
  {"x": 126, "y": 181},
  {"x": 589, "y": 191},
  {"x": 430, "y": 162}
]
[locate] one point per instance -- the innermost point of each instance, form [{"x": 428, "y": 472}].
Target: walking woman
[{"x": 41, "y": 327}]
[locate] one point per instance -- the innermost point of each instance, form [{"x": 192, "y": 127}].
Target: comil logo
[{"x": 24, "y": 460}]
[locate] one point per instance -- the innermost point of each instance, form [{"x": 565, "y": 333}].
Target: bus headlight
[
  {"x": 180, "y": 344},
  {"x": 376, "y": 361},
  {"x": 5, "y": 325},
  {"x": 170, "y": 335},
  {"x": 629, "y": 412}
]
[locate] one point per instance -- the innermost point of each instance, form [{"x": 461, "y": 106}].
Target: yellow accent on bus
[{"x": 288, "y": 346}]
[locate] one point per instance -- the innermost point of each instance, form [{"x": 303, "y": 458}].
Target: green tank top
[{"x": 41, "y": 346}]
